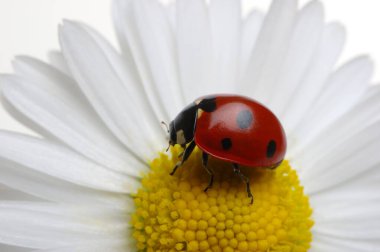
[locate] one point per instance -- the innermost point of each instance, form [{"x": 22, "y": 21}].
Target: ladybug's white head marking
[{"x": 181, "y": 137}]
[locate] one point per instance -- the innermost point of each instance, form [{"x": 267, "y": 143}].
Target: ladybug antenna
[{"x": 167, "y": 128}]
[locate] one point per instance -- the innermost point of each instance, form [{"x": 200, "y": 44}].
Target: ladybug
[{"x": 232, "y": 128}]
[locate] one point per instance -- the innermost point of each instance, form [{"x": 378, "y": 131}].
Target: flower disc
[{"x": 173, "y": 213}]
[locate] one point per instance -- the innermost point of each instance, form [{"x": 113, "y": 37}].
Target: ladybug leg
[
  {"x": 209, "y": 171},
  {"x": 181, "y": 154},
  {"x": 243, "y": 178},
  {"x": 186, "y": 155}
]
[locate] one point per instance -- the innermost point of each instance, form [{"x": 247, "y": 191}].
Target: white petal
[
  {"x": 82, "y": 212},
  {"x": 363, "y": 224},
  {"x": 45, "y": 97},
  {"x": 7, "y": 193},
  {"x": 270, "y": 50},
  {"x": 357, "y": 119},
  {"x": 318, "y": 245},
  {"x": 303, "y": 45},
  {"x": 57, "y": 60},
  {"x": 113, "y": 92},
  {"x": 136, "y": 61},
  {"x": 372, "y": 90},
  {"x": 40, "y": 225},
  {"x": 343, "y": 90},
  {"x": 46, "y": 187},
  {"x": 109, "y": 245},
  {"x": 324, "y": 60},
  {"x": 172, "y": 15},
  {"x": 327, "y": 243},
  {"x": 7, "y": 248},
  {"x": 119, "y": 15},
  {"x": 226, "y": 26},
  {"x": 330, "y": 244},
  {"x": 250, "y": 31},
  {"x": 356, "y": 200},
  {"x": 355, "y": 192},
  {"x": 356, "y": 155},
  {"x": 153, "y": 30},
  {"x": 194, "y": 49},
  {"x": 60, "y": 162}
]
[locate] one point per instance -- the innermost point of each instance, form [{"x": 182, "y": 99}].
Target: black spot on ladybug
[
  {"x": 271, "y": 148},
  {"x": 244, "y": 119},
  {"x": 226, "y": 143},
  {"x": 208, "y": 104}
]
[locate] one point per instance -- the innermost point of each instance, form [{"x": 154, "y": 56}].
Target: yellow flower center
[{"x": 173, "y": 213}]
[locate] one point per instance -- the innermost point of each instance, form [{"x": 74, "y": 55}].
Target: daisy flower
[{"x": 97, "y": 177}]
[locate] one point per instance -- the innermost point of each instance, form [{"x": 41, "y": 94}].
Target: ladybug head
[
  {"x": 181, "y": 129},
  {"x": 175, "y": 136},
  {"x": 172, "y": 134}
]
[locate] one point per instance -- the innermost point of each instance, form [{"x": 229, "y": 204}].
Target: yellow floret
[{"x": 173, "y": 213}]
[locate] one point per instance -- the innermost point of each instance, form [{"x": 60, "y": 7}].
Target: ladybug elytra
[{"x": 233, "y": 128}]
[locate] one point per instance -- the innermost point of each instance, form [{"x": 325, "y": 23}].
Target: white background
[{"x": 30, "y": 27}]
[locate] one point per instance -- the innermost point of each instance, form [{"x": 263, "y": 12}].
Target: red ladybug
[{"x": 233, "y": 128}]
